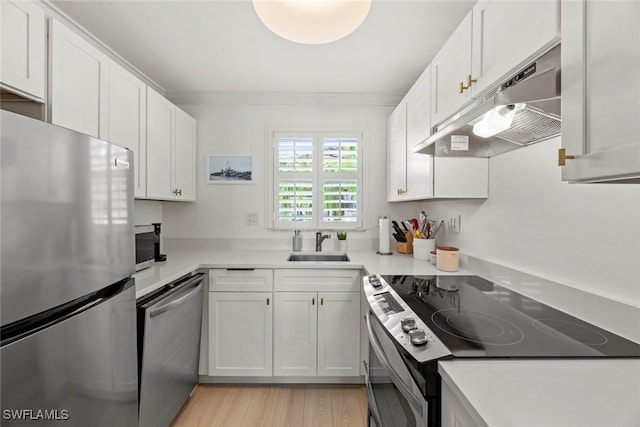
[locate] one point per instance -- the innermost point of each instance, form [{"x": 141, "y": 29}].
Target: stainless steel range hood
[{"x": 537, "y": 86}]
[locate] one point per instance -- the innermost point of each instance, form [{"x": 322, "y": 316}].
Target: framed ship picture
[{"x": 230, "y": 170}]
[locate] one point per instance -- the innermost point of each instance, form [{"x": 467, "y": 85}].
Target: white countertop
[
  {"x": 547, "y": 393},
  {"x": 183, "y": 262},
  {"x": 510, "y": 393}
]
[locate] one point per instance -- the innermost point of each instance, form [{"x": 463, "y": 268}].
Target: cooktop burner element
[
  {"x": 474, "y": 317},
  {"x": 477, "y": 327},
  {"x": 570, "y": 331}
]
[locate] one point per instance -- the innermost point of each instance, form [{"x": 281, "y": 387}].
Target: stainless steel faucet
[{"x": 319, "y": 238}]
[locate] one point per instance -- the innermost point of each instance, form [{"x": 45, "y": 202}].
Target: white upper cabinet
[
  {"x": 160, "y": 136},
  {"x": 493, "y": 40},
  {"x": 79, "y": 83},
  {"x": 601, "y": 90},
  {"x": 23, "y": 47},
  {"x": 418, "y": 101},
  {"x": 171, "y": 147},
  {"x": 419, "y": 170},
  {"x": 507, "y": 33},
  {"x": 397, "y": 153},
  {"x": 128, "y": 120},
  {"x": 184, "y": 153},
  {"x": 450, "y": 70}
]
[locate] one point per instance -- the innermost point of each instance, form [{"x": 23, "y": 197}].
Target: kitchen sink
[{"x": 318, "y": 257}]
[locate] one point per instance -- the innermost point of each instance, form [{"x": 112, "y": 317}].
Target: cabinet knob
[
  {"x": 401, "y": 191},
  {"x": 461, "y": 87},
  {"x": 268, "y": 301},
  {"x": 321, "y": 301},
  {"x": 563, "y": 157},
  {"x": 313, "y": 301},
  {"x": 177, "y": 192},
  {"x": 470, "y": 81}
]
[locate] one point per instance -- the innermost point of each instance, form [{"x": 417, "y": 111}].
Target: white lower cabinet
[
  {"x": 240, "y": 333},
  {"x": 317, "y": 323},
  {"x": 295, "y": 334},
  {"x": 339, "y": 334},
  {"x": 317, "y": 334},
  {"x": 240, "y": 322},
  {"x": 454, "y": 412}
]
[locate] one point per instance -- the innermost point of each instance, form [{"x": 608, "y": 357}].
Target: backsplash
[{"x": 586, "y": 236}]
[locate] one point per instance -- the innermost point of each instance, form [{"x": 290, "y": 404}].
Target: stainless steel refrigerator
[{"x": 67, "y": 299}]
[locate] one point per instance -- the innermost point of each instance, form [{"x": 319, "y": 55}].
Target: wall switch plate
[
  {"x": 251, "y": 218},
  {"x": 453, "y": 223}
]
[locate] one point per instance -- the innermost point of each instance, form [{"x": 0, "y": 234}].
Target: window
[{"x": 317, "y": 180}]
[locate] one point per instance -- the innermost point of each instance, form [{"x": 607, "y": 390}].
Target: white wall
[
  {"x": 147, "y": 211},
  {"x": 582, "y": 235},
  {"x": 219, "y": 212}
]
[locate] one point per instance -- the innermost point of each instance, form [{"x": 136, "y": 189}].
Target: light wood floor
[{"x": 277, "y": 405}]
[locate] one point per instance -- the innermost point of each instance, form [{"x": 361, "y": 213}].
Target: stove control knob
[
  {"x": 418, "y": 337},
  {"x": 408, "y": 324}
]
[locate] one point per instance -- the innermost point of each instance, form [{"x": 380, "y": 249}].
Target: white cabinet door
[
  {"x": 397, "y": 153},
  {"x": 506, "y": 33},
  {"x": 160, "y": 134},
  {"x": 23, "y": 53},
  {"x": 450, "y": 68},
  {"x": 419, "y": 167},
  {"x": 339, "y": 334},
  {"x": 418, "y": 101},
  {"x": 79, "y": 83},
  {"x": 601, "y": 90},
  {"x": 184, "y": 154},
  {"x": 240, "y": 334},
  {"x": 461, "y": 177},
  {"x": 454, "y": 412},
  {"x": 295, "y": 333},
  {"x": 128, "y": 120}
]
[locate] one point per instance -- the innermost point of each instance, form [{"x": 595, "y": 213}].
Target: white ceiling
[{"x": 221, "y": 46}]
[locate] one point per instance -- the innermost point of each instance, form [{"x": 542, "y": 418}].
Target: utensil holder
[
  {"x": 422, "y": 247},
  {"x": 405, "y": 247}
]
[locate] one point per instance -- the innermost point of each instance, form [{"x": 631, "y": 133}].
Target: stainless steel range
[{"x": 414, "y": 321}]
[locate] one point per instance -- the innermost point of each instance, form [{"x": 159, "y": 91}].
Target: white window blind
[{"x": 317, "y": 179}]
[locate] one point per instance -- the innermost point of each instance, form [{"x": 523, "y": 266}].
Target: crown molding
[{"x": 285, "y": 98}]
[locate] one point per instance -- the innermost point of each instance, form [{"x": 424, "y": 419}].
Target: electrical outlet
[
  {"x": 453, "y": 223},
  {"x": 251, "y": 218}
]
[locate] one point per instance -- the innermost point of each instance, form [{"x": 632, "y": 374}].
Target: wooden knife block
[{"x": 405, "y": 247}]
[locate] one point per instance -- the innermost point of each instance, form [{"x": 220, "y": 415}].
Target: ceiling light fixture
[
  {"x": 312, "y": 21},
  {"x": 496, "y": 120}
]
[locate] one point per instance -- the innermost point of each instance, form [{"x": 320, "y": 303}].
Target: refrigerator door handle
[{"x": 176, "y": 302}]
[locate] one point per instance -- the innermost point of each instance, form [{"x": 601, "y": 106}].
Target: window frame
[{"x": 318, "y": 177}]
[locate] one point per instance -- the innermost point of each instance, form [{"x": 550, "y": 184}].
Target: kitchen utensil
[
  {"x": 414, "y": 224},
  {"x": 396, "y": 227},
  {"x": 404, "y": 226},
  {"x": 433, "y": 236},
  {"x": 400, "y": 237}
]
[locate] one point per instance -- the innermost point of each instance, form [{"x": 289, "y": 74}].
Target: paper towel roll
[{"x": 384, "y": 246}]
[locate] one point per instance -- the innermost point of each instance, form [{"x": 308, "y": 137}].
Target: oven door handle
[
  {"x": 373, "y": 406},
  {"x": 397, "y": 380}
]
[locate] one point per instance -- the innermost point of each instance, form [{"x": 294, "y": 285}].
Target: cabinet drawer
[
  {"x": 319, "y": 280},
  {"x": 240, "y": 280}
]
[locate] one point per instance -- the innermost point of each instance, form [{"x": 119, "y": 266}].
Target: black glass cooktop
[{"x": 474, "y": 317}]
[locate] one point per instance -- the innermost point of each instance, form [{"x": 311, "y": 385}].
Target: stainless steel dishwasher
[{"x": 169, "y": 322}]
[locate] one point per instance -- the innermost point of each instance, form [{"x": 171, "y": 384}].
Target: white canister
[
  {"x": 447, "y": 258},
  {"x": 422, "y": 247}
]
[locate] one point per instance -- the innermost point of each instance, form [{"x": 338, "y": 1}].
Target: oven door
[{"x": 394, "y": 398}]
